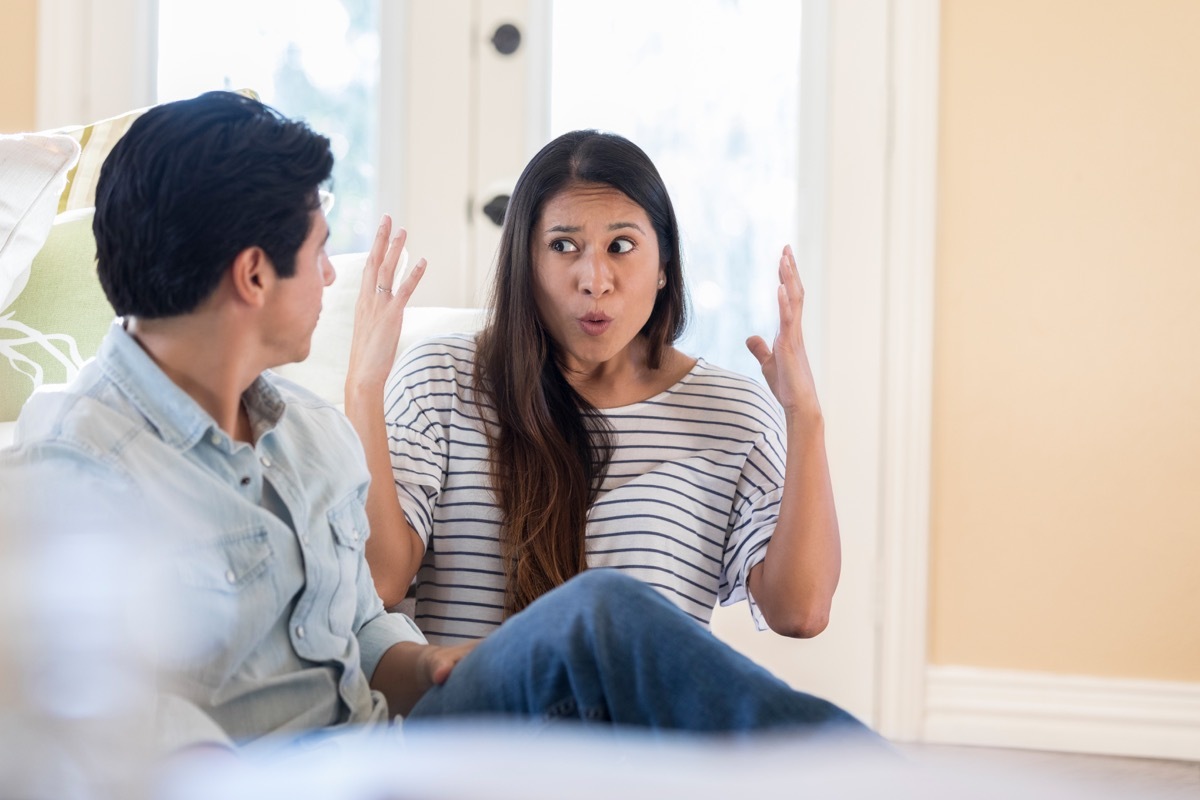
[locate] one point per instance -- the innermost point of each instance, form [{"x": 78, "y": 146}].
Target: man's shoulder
[
  {"x": 80, "y": 417},
  {"x": 313, "y": 421},
  {"x": 304, "y": 406},
  {"x": 66, "y": 458}
]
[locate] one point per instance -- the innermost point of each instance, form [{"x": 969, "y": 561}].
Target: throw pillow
[
  {"x": 34, "y": 167},
  {"x": 96, "y": 140},
  {"x": 57, "y": 322}
]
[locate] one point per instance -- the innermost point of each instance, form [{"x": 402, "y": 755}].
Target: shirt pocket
[
  {"x": 227, "y": 564},
  {"x": 348, "y": 523},
  {"x": 227, "y": 601}
]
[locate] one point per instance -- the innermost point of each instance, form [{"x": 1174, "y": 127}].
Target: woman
[{"x": 571, "y": 433}]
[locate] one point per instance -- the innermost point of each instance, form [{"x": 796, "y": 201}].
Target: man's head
[{"x": 194, "y": 184}]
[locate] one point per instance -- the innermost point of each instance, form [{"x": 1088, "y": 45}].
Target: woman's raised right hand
[{"x": 379, "y": 311}]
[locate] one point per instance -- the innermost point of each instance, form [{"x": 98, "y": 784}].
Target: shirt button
[
  {"x": 215, "y": 438},
  {"x": 299, "y": 631},
  {"x": 304, "y": 539},
  {"x": 229, "y": 576},
  {"x": 266, "y": 462}
]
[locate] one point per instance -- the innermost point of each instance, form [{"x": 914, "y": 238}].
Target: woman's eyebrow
[{"x": 577, "y": 228}]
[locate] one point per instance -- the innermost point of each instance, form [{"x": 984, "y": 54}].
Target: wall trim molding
[
  {"x": 1069, "y": 713},
  {"x": 910, "y": 220}
]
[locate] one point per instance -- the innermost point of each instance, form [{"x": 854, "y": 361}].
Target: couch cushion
[
  {"x": 96, "y": 140},
  {"x": 57, "y": 322}
]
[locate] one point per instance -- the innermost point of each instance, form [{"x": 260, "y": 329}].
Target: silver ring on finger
[{"x": 382, "y": 289}]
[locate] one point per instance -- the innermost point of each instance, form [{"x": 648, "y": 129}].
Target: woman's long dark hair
[{"x": 549, "y": 447}]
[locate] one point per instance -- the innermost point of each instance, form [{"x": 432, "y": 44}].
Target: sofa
[{"x": 53, "y": 313}]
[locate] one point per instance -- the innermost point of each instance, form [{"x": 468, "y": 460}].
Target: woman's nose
[{"x": 597, "y": 276}]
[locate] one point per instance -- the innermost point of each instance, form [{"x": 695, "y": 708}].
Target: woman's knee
[
  {"x": 605, "y": 588},
  {"x": 604, "y": 600}
]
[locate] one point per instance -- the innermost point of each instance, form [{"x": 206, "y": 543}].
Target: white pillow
[
  {"x": 324, "y": 371},
  {"x": 35, "y": 167}
]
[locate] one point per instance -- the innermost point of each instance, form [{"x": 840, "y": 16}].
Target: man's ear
[{"x": 251, "y": 276}]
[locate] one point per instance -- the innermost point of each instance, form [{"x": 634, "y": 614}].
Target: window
[{"x": 313, "y": 59}]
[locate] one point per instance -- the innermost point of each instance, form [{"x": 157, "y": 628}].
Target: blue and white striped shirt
[{"x": 688, "y": 505}]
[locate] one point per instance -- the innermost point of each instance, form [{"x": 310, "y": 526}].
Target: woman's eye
[
  {"x": 563, "y": 246},
  {"x": 620, "y": 246}
]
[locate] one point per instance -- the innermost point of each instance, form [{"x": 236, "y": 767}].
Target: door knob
[
  {"x": 494, "y": 209},
  {"x": 506, "y": 39}
]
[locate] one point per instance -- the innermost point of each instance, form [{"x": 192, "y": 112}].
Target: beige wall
[
  {"x": 18, "y": 66},
  {"x": 1066, "y": 475}
]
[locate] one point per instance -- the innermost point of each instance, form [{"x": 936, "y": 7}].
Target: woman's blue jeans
[{"x": 608, "y": 648}]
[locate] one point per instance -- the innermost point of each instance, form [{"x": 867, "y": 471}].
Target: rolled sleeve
[
  {"x": 377, "y": 629},
  {"x": 380, "y": 633},
  {"x": 756, "y": 558}
]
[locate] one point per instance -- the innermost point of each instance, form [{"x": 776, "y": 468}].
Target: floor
[{"x": 1112, "y": 776}]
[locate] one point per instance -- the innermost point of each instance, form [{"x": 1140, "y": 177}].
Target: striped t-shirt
[{"x": 688, "y": 504}]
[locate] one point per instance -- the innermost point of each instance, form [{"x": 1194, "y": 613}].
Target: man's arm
[
  {"x": 407, "y": 670},
  {"x": 398, "y": 661}
]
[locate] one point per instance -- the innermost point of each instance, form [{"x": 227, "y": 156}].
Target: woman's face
[{"x": 596, "y": 272}]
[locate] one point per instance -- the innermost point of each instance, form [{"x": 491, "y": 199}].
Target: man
[{"x": 211, "y": 248}]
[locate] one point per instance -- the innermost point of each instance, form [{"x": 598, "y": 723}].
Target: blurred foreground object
[
  {"x": 493, "y": 761},
  {"x": 77, "y": 638}
]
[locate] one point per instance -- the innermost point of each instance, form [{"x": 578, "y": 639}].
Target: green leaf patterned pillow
[{"x": 56, "y": 323}]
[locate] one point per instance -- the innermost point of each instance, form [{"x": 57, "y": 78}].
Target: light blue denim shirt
[{"x": 265, "y": 555}]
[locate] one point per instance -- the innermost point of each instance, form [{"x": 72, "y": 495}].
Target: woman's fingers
[
  {"x": 391, "y": 259},
  {"x": 758, "y": 348},
  {"x": 791, "y": 290},
  {"x": 375, "y": 256},
  {"x": 409, "y": 284},
  {"x": 379, "y": 271},
  {"x": 795, "y": 287},
  {"x": 786, "y": 312}
]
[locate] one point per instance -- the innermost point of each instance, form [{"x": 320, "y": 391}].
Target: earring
[{"x": 662, "y": 282}]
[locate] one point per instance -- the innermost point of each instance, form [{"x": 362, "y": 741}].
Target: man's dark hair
[{"x": 192, "y": 184}]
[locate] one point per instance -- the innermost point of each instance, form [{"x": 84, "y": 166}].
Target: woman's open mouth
[{"x": 595, "y": 324}]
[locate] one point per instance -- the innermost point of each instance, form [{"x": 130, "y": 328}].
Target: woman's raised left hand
[
  {"x": 795, "y": 582},
  {"x": 379, "y": 311},
  {"x": 785, "y": 365}
]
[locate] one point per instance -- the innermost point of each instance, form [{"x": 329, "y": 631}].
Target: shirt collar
[{"x": 179, "y": 420}]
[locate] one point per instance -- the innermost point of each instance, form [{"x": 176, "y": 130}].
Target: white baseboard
[{"x": 1069, "y": 713}]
